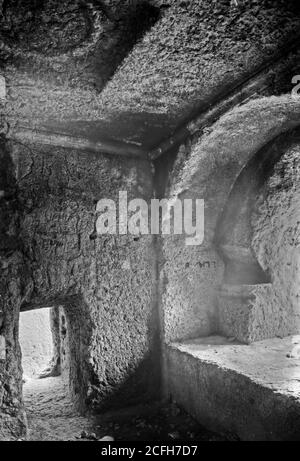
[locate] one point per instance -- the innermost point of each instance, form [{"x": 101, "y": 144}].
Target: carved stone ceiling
[{"x": 130, "y": 70}]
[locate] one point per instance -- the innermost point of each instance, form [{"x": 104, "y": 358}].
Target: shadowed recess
[{"x": 233, "y": 231}]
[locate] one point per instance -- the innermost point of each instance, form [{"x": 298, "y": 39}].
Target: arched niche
[
  {"x": 248, "y": 308},
  {"x": 216, "y": 169},
  {"x": 234, "y": 231}
]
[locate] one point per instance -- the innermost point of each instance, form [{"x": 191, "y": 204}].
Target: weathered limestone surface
[
  {"x": 207, "y": 169},
  {"x": 88, "y": 73},
  {"x": 55, "y": 364},
  {"x": 2, "y": 88},
  {"x": 140, "y": 70},
  {"x": 276, "y": 242},
  {"x": 269, "y": 310},
  {"x": 12, "y": 291},
  {"x": 198, "y": 48},
  {"x": 267, "y": 223},
  {"x": 106, "y": 284},
  {"x": 2, "y": 348},
  {"x": 245, "y": 312},
  {"x": 251, "y": 391}
]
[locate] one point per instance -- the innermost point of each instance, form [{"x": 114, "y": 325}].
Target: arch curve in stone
[
  {"x": 219, "y": 157},
  {"x": 233, "y": 230},
  {"x": 211, "y": 170}
]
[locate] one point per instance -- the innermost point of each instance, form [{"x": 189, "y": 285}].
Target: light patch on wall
[
  {"x": 126, "y": 266},
  {"x": 2, "y": 88},
  {"x": 36, "y": 341},
  {"x": 2, "y": 348}
]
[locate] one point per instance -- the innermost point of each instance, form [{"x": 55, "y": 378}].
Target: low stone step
[{"x": 252, "y": 391}]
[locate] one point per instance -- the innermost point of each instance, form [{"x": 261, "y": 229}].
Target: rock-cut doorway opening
[
  {"x": 36, "y": 340},
  {"x": 43, "y": 337}
]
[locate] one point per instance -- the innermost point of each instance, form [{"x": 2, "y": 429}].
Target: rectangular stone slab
[{"x": 252, "y": 391}]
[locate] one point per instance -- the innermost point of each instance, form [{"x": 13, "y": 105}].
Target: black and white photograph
[{"x": 149, "y": 225}]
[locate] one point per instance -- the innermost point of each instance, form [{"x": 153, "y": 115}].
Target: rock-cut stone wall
[
  {"x": 12, "y": 289},
  {"x": 197, "y": 299},
  {"x": 106, "y": 284}
]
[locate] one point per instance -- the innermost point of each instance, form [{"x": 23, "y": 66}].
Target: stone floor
[
  {"x": 50, "y": 411},
  {"x": 51, "y": 416}
]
